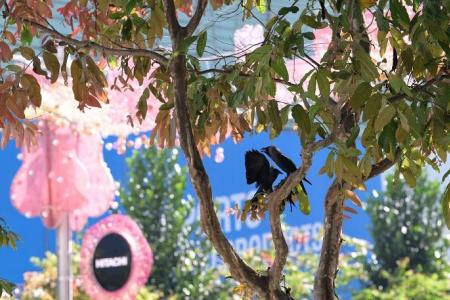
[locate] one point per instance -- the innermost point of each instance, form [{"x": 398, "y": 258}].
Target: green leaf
[
  {"x": 274, "y": 115},
  {"x": 399, "y": 85},
  {"x": 284, "y": 114},
  {"x": 6, "y": 286},
  {"x": 25, "y": 36},
  {"x": 445, "y": 202},
  {"x": 52, "y": 64},
  {"x": 309, "y": 35},
  {"x": 368, "y": 69},
  {"x": 184, "y": 46},
  {"x": 385, "y": 116},
  {"x": 339, "y": 168},
  {"x": 305, "y": 207},
  {"x": 372, "y": 107},
  {"x": 285, "y": 10},
  {"x": 351, "y": 167},
  {"x": 329, "y": 165},
  {"x": 311, "y": 22},
  {"x": 403, "y": 121},
  {"x": 445, "y": 175},
  {"x": 167, "y": 106},
  {"x": 312, "y": 84},
  {"x": 261, "y": 6},
  {"x": 365, "y": 164},
  {"x": 361, "y": 95},
  {"x": 142, "y": 105},
  {"x": 324, "y": 84},
  {"x": 301, "y": 118},
  {"x": 129, "y": 7},
  {"x": 116, "y": 15},
  {"x": 26, "y": 52},
  {"x": 14, "y": 68},
  {"x": 409, "y": 176},
  {"x": 279, "y": 67},
  {"x": 127, "y": 27},
  {"x": 201, "y": 43},
  {"x": 399, "y": 13}
]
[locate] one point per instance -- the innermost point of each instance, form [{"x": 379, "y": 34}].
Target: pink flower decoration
[
  {"x": 248, "y": 38},
  {"x": 66, "y": 174},
  {"x": 297, "y": 69},
  {"x": 123, "y": 102},
  {"x": 111, "y": 119},
  {"x": 142, "y": 258}
]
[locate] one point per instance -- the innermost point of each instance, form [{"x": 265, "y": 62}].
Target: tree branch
[
  {"x": 329, "y": 255},
  {"x": 384, "y": 165},
  {"x": 195, "y": 20},
  {"x": 172, "y": 20},
  {"x": 161, "y": 59},
  {"x": 275, "y": 201},
  {"x": 420, "y": 88},
  {"x": 229, "y": 71}
]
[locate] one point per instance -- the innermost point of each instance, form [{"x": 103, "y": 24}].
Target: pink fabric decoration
[
  {"x": 65, "y": 174},
  {"x": 102, "y": 187},
  {"x": 142, "y": 258}
]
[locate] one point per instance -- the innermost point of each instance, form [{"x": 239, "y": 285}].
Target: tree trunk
[
  {"x": 324, "y": 288},
  {"x": 239, "y": 270}
]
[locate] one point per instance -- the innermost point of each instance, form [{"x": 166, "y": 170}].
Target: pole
[{"x": 64, "y": 252}]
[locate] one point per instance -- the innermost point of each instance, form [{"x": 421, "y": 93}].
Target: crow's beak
[{"x": 264, "y": 149}]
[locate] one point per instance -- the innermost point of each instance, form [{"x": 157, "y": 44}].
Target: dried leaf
[{"x": 352, "y": 196}]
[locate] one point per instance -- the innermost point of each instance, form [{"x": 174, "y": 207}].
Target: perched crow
[
  {"x": 283, "y": 162},
  {"x": 259, "y": 171}
]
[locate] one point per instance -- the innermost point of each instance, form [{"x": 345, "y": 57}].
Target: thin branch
[
  {"x": 384, "y": 165},
  {"x": 195, "y": 20},
  {"x": 275, "y": 200},
  {"x": 420, "y": 88},
  {"x": 228, "y": 71},
  {"x": 161, "y": 59}
]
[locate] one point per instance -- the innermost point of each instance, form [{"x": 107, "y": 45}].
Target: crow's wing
[
  {"x": 282, "y": 161},
  {"x": 256, "y": 166},
  {"x": 285, "y": 163}
]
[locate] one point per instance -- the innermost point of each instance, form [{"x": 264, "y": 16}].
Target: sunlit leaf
[
  {"x": 384, "y": 117},
  {"x": 201, "y": 43},
  {"x": 361, "y": 95}
]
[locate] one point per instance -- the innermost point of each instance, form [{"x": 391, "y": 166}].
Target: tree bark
[{"x": 324, "y": 288}]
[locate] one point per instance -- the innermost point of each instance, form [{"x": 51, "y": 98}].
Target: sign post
[{"x": 64, "y": 252}]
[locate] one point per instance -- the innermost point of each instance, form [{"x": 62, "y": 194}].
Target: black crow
[
  {"x": 283, "y": 162},
  {"x": 259, "y": 171}
]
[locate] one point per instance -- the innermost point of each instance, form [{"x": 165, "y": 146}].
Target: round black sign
[{"x": 112, "y": 262}]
